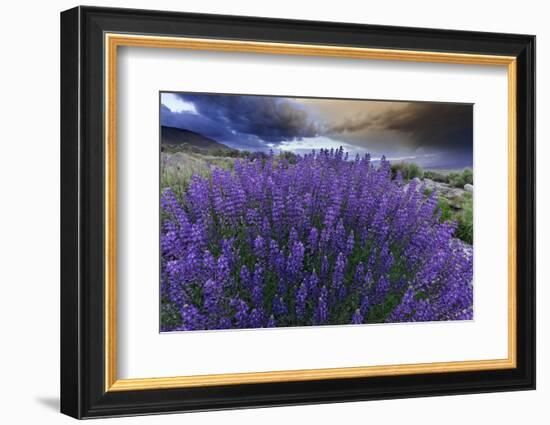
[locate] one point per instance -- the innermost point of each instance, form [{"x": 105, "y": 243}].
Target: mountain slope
[{"x": 179, "y": 137}]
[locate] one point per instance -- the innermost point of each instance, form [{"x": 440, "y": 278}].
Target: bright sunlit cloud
[
  {"x": 176, "y": 104},
  {"x": 309, "y": 143}
]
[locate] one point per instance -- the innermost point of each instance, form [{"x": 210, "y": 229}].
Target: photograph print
[{"x": 292, "y": 211}]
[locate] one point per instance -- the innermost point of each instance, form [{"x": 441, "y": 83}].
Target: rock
[
  {"x": 443, "y": 188},
  {"x": 417, "y": 185},
  {"x": 454, "y": 197},
  {"x": 455, "y": 204},
  {"x": 430, "y": 184},
  {"x": 455, "y": 193},
  {"x": 469, "y": 188}
]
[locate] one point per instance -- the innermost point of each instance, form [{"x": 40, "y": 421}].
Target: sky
[{"x": 434, "y": 135}]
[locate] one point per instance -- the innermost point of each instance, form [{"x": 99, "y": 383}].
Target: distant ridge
[{"x": 179, "y": 137}]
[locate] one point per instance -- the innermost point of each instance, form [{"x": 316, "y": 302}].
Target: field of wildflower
[{"x": 318, "y": 239}]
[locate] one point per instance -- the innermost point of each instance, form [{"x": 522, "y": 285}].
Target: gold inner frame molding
[{"x": 113, "y": 41}]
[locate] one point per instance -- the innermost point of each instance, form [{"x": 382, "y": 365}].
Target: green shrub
[
  {"x": 465, "y": 222},
  {"x": 456, "y": 179},
  {"x": 446, "y": 209},
  {"x": 409, "y": 170},
  {"x": 468, "y": 175},
  {"x": 436, "y": 176},
  {"x": 460, "y": 179},
  {"x": 289, "y": 156},
  {"x": 463, "y": 217}
]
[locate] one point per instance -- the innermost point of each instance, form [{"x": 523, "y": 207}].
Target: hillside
[{"x": 172, "y": 137}]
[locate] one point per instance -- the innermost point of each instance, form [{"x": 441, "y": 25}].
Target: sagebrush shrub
[{"x": 408, "y": 170}]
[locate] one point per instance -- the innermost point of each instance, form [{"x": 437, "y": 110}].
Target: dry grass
[{"x": 177, "y": 168}]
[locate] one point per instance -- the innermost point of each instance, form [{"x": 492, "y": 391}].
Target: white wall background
[{"x": 29, "y": 212}]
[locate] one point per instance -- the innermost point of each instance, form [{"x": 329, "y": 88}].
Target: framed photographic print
[{"x": 261, "y": 212}]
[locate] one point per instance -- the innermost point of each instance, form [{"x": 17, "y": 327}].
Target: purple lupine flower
[
  {"x": 301, "y": 297},
  {"x": 259, "y": 248},
  {"x": 380, "y": 290},
  {"x": 280, "y": 243},
  {"x": 228, "y": 251},
  {"x": 212, "y": 294},
  {"x": 339, "y": 237},
  {"x": 295, "y": 262},
  {"x": 313, "y": 284},
  {"x": 191, "y": 319},
  {"x": 266, "y": 228},
  {"x": 258, "y": 286},
  {"x": 223, "y": 271},
  {"x": 313, "y": 240},
  {"x": 240, "y": 312},
  {"x": 293, "y": 237},
  {"x": 364, "y": 305},
  {"x": 359, "y": 280},
  {"x": 246, "y": 278},
  {"x": 321, "y": 314},
  {"x": 324, "y": 269},
  {"x": 209, "y": 264},
  {"x": 338, "y": 287},
  {"x": 257, "y": 318},
  {"x": 279, "y": 307},
  {"x": 252, "y": 217},
  {"x": 405, "y": 308},
  {"x": 350, "y": 243},
  {"x": 357, "y": 317},
  {"x": 271, "y": 322}
]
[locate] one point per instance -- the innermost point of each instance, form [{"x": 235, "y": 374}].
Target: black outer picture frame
[{"x": 82, "y": 218}]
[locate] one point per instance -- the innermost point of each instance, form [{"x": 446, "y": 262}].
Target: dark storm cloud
[
  {"x": 433, "y": 134},
  {"x": 270, "y": 119},
  {"x": 209, "y": 127},
  {"x": 427, "y": 125}
]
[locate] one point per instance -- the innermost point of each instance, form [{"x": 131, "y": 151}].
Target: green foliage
[
  {"x": 460, "y": 179},
  {"x": 456, "y": 179},
  {"x": 447, "y": 212},
  {"x": 409, "y": 170},
  {"x": 194, "y": 150},
  {"x": 464, "y": 217},
  {"x": 233, "y": 153},
  {"x": 289, "y": 156},
  {"x": 468, "y": 175},
  {"x": 465, "y": 220},
  {"x": 436, "y": 176},
  {"x": 169, "y": 314}
]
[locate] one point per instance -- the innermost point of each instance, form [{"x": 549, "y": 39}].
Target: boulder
[
  {"x": 418, "y": 185},
  {"x": 430, "y": 184},
  {"x": 455, "y": 193},
  {"x": 469, "y": 188},
  {"x": 443, "y": 188}
]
